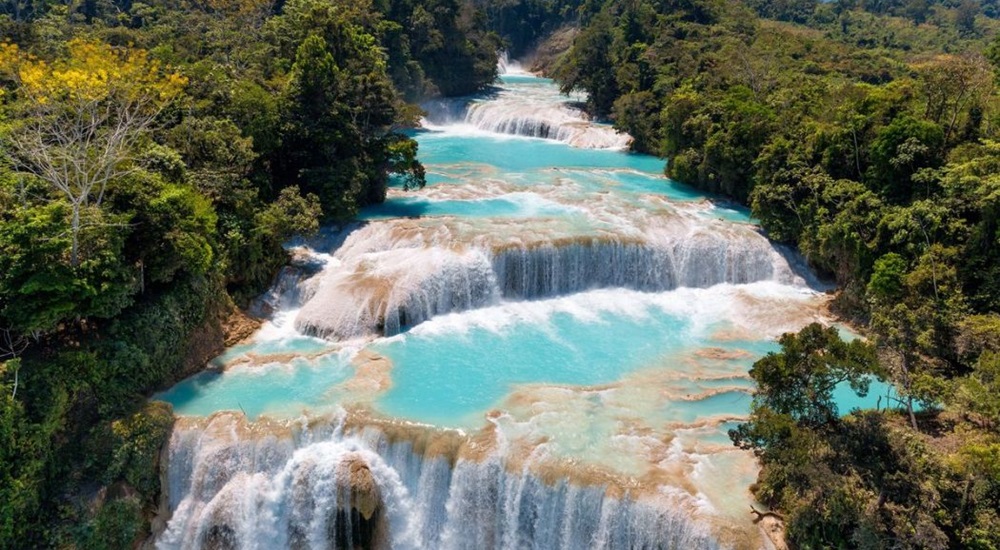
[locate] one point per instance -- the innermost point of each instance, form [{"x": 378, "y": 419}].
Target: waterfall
[
  {"x": 608, "y": 319},
  {"x": 391, "y": 275},
  {"x": 235, "y": 485},
  {"x": 543, "y": 114},
  {"x": 508, "y": 66},
  {"x": 546, "y": 120}
]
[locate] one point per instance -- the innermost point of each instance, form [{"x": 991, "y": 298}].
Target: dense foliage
[
  {"x": 867, "y": 134},
  {"x": 153, "y": 158},
  {"x": 155, "y": 155}
]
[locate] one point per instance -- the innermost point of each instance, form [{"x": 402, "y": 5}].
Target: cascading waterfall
[
  {"x": 542, "y": 349},
  {"x": 390, "y": 275},
  {"x": 508, "y": 66},
  {"x": 299, "y": 486}
]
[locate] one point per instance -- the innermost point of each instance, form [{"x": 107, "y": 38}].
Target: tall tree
[{"x": 80, "y": 118}]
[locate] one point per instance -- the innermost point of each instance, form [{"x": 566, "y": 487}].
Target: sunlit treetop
[{"x": 91, "y": 72}]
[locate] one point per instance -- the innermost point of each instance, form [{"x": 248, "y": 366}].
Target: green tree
[
  {"x": 40, "y": 287},
  {"x": 799, "y": 381},
  {"x": 978, "y": 393},
  {"x": 340, "y": 122},
  {"x": 584, "y": 66},
  {"x": 899, "y": 151},
  {"x": 965, "y": 16}
]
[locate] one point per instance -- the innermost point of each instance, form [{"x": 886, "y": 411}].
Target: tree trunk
[
  {"x": 74, "y": 254},
  {"x": 909, "y": 398},
  {"x": 909, "y": 409}
]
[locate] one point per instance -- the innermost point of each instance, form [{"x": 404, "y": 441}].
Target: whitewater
[{"x": 544, "y": 348}]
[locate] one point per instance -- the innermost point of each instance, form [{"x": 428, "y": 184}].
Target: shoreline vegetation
[{"x": 154, "y": 156}]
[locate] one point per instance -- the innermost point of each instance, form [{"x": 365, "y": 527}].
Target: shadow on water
[
  {"x": 453, "y": 109},
  {"x": 328, "y": 239},
  {"x": 800, "y": 266},
  {"x": 395, "y": 209},
  {"x": 193, "y": 388}
]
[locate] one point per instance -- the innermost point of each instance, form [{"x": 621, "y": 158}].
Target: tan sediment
[
  {"x": 238, "y": 327},
  {"x": 425, "y": 440},
  {"x": 372, "y": 376},
  {"x": 709, "y": 393},
  {"x": 653, "y": 379},
  {"x": 616, "y": 485},
  {"x": 732, "y": 334},
  {"x": 634, "y": 426},
  {"x": 254, "y": 359},
  {"x": 723, "y": 354},
  {"x": 707, "y": 422},
  {"x": 765, "y": 311},
  {"x": 773, "y": 530},
  {"x": 664, "y": 372},
  {"x": 589, "y": 240}
]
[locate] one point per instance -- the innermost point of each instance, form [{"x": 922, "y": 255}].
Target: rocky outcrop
[{"x": 551, "y": 49}]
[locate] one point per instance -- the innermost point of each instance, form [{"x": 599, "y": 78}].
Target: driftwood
[{"x": 761, "y": 515}]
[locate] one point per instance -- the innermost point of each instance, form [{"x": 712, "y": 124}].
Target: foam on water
[{"x": 394, "y": 274}]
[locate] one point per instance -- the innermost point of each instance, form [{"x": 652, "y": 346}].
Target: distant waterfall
[
  {"x": 546, "y": 120},
  {"x": 508, "y": 66},
  {"x": 544, "y": 114},
  {"x": 233, "y": 486}
]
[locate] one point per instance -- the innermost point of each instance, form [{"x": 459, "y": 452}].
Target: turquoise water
[
  {"x": 450, "y": 371},
  {"x": 441, "y": 378},
  {"x": 522, "y": 205},
  {"x": 289, "y": 387},
  {"x": 543, "y": 169},
  {"x": 504, "y": 154}
]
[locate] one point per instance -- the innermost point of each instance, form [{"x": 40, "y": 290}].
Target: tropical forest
[{"x": 499, "y": 274}]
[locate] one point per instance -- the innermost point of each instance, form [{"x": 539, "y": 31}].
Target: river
[{"x": 544, "y": 348}]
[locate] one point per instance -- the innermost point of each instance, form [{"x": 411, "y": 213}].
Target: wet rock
[{"x": 364, "y": 491}]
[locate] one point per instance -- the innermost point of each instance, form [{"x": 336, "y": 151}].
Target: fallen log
[{"x": 761, "y": 515}]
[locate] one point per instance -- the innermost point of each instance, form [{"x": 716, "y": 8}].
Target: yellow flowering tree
[{"x": 78, "y": 119}]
